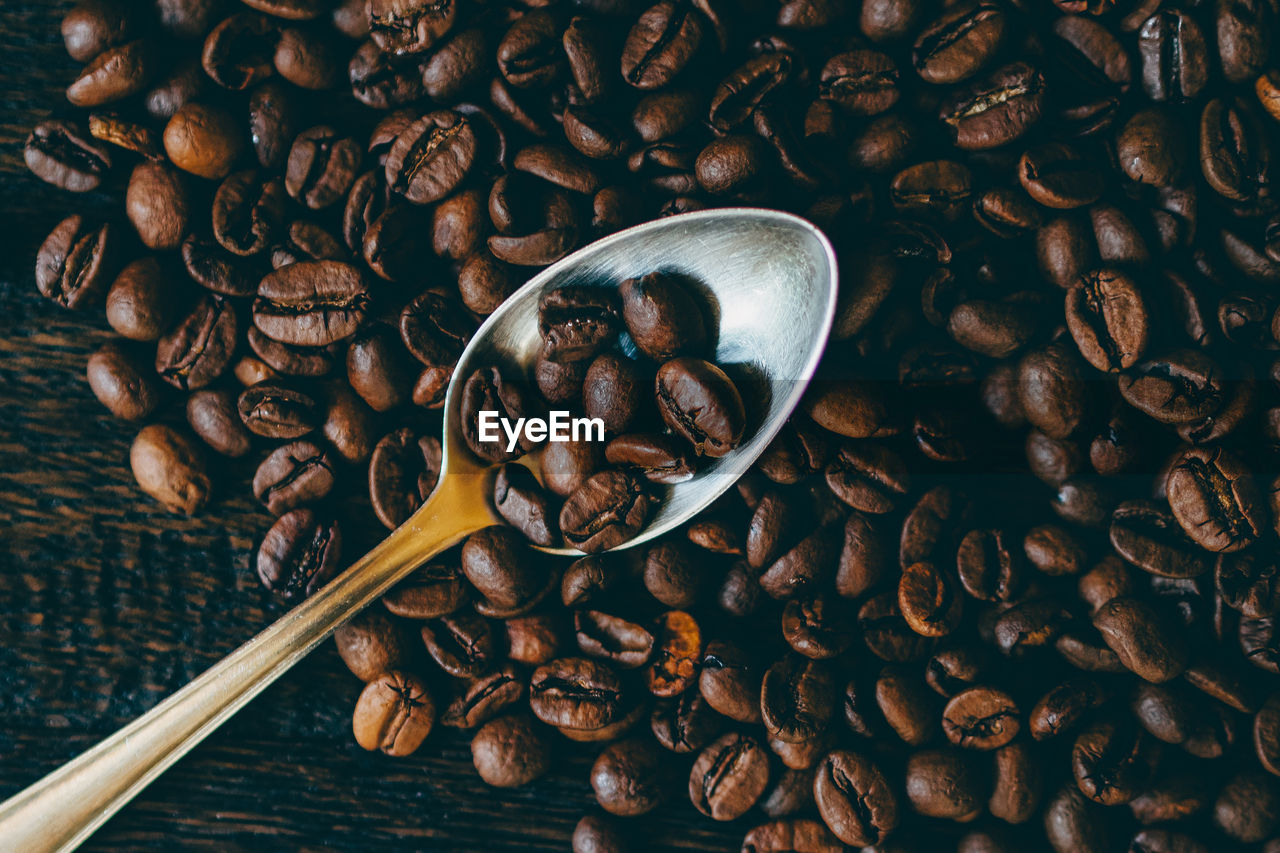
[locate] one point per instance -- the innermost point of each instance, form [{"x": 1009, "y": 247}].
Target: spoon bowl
[{"x": 769, "y": 279}]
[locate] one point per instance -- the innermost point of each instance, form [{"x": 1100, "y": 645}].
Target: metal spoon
[{"x": 772, "y": 279}]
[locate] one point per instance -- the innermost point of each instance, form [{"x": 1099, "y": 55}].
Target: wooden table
[{"x": 108, "y": 604}]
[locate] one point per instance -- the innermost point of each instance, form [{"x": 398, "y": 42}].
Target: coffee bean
[
  {"x": 660, "y": 44},
  {"x": 198, "y": 350},
  {"x": 295, "y": 474},
  {"x": 996, "y": 109},
  {"x": 605, "y": 511},
  {"x": 431, "y": 157},
  {"x": 462, "y": 644},
  {"x": 863, "y": 82},
  {"x": 74, "y": 262},
  {"x": 943, "y": 783},
  {"x": 394, "y": 714},
  {"x": 313, "y": 303},
  {"x": 1175, "y": 61},
  {"x": 113, "y": 75},
  {"x": 204, "y": 140},
  {"x": 981, "y": 718},
  {"x": 1111, "y": 762},
  {"x": 954, "y": 46},
  {"x": 797, "y": 699},
  {"x": 728, "y": 777},
  {"x": 1016, "y": 789},
  {"x": 121, "y": 383},
  {"x": 170, "y": 467},
  {"x": 510, "y": 751},
  {"x": 412, "y": 27},
  {"x": 522, "y": 503},
  {"x": 371, "y": 643},
  {"x": 403, "y": 471},
  {"x": 701, "y": 403},
  {"x": 659, "y": 458},
  {"x": 1141, "y": 638},
  {"x": 487, "y": 391},
  {"x": 299, "y": 554},
  {"x": 1214, "y": 498},
  {"x": 783, "y": 835},
  {"x": 854, "y": 798},
  {"x": 58, "y": 153}
]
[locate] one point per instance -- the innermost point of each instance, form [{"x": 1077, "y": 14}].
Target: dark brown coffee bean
[
  {"x": 1017, "y": 784},
  {"x": 122, "y": 383},
  {"x": 431, "y": 157},
  {"x": 510, "y": 751},
  {"x": 237, "y": 52},
  {"x": 1149, "y": 537},
  {"x": 114, "y": 74},
  {"x": 204, "y": 140},
  {"x": 787, "y": 835},
  {"x": 701, "y": 403},
  {"x": 1112, "y": 762},
  {"x": 868, "y": 478},
  {"x": 403, "y": 471},
  {"x": 437, "y": 589},
  {"x": 485, "y": 698},
  {"x": 576, "y": 323},
  {"x": 170, "y": 467},
  {"x": 954, "y": 46},
  {"x": 142, "y": 301},
  {"x": 677, "y": 653},
  {"x": 981, "y": 718},
  {"x": 660, "y": 44},
  {"x": 313, "y": 303},
  {"x": 659, "y": 458},
  {"x": 863, "y": 82},
  {"x": 213, "y": 416},
  {"x": 928, "y": 600},
  {"x": 371, "y": 643},
  {"x": 728, "y": 777},
  {"x": 818, "y": 628},
  {"x": 944, "y": 784},
  {"x": 462, "y": 644},
  {"x": 394, "y": 714},
  {"x": 523, "y": 504},
  {"x": 1235, "y": 153},
  {"x": 797, "y": 699},
  {"x": 1144, "y": 642},
  {"x": 1175, "y": 61},
  {"x": 58, "y": 153},
  {"x": 995, "y": 110},
  {"x": 605, "y": 511},
  {"x": 576, "y": 693},
  {"x": 321, "y": 167},
  {"x": 73, "y": 264},
  {"x": 295, "y": 474},
  {"x": 1214, "y": 497},
  {"x": 300, "y": 553},
  {"x": 92, "y": 26},
  {"x": 278, "y": 410},
  {"x": 200, "y": 347},
  {"x": 855, "y": 800}
]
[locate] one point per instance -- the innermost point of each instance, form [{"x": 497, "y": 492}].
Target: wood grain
[{"x": 108, "y": 604}]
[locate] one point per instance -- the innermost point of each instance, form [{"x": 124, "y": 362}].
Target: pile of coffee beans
[
  {"x": 582, "y": 365},
  {"x": 1007, "y": 582}
]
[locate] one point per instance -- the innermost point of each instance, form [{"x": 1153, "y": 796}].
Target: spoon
[{"x": 770, "y": 276}]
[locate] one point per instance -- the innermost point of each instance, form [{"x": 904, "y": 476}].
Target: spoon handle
[{"x": 63, "y": 809}]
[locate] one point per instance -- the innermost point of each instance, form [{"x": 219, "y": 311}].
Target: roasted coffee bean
[
  {"x": 300, "y": 553},
  {"x": 1112, "y": 762},
  {"x": 660, "y": 44},
  {"x": 817, "y": 629},
  {"x": 487, "y": 391},
  {"x": 122, "y": 383},
  {"x": 1214, "y": 497},
  {"x": 1235, "y": 155},
  {"x": 614, "y": 390},
  {"x": 434, "y": 328},
  {"x": 928, "y": 600},
  {"x": 867, "y": 477},
  {"x": 1150, "y": 538},
  {"x": 944, "y": 783},
  {"x": 626, "y": 778},
  {"x": 1175, "y": 60},
  {"x": 170, "y": 467},
  {"x": 659, "y": 458},
  {"x": 431, "y": 156},
  {"x": 94, "y": 25},
  {"x": 510, "y": 751},
  {"x": 1181, "y": 387},
  {"x": 611, "y": 638},
  {"x": 606, "y": 510},
  {"x": 576, "y": 323},
  {"x": 321, "y": 167},
  {"x": 785, "y": 835},
  {"x": 485, "y": 698},
  {"x": 1142, "y": 639},
  {"x": 700, "y": 402},
  {"x": 677, "y": 652},
  {"x": 142, "y": 301},
  {"x": 462, "y": 644},
  {"x": 247, "y": 213},
  {"x": 214, "y": 417},
  {"x": 797, "y": 699},
  {"x": 379, "y": 369},
  {"x": 1016, "y": 785},
  {"x": 855, "y": 800},
  {"x": 204, "y": 140},
  {"x": 399, "y": 27},
  {"x": 394, "y": 714},
  {"x": 295, "y": 474},
  {"x": 114, "y": 74},
  {"x": 371, "y": 643},
  {"x": 436, "y": 589},
  {"x": 863, "y": 82},
  {"x": 313, "y": 303},
  {"x": 995, "y": 110},
  {"x": 59, "y": 153},
  {"x": 728, "y": 777},
  {"x": 522, "y": 503},
  {"x": 197, "y": 350},
  {"x": 981, "y": 718},
  {"x": 278, "y": 410},
  {"x": 73, "y": 264},
  {"x": 237, "y": 52},
  {"x": 957, "y": 44}
]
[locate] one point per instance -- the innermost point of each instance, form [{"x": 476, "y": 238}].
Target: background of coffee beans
[{"x": 1101, "y": 299}]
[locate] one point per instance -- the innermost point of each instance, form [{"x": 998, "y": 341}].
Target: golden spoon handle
[{"x": 64, "y": 808}]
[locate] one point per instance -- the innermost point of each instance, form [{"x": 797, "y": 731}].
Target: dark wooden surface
[{"x": 107, "y": 604}]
